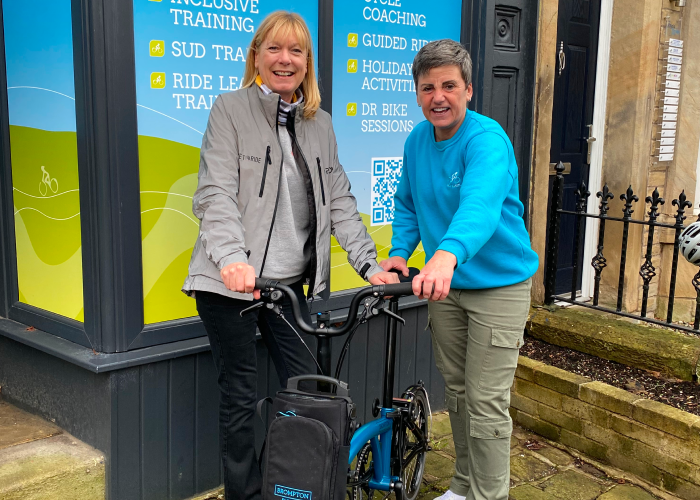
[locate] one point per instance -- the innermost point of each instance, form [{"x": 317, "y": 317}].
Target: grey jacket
[{"x": 238, "y": 183}]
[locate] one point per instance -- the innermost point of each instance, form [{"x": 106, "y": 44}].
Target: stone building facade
[{"x": 630, "y": 80}]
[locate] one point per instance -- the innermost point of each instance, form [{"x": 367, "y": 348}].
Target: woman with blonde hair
[{"x": 270, "y": 193}]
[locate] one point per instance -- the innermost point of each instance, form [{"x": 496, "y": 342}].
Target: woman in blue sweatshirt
[{"x": 458, "y": 193}]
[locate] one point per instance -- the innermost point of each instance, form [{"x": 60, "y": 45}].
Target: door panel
[
  {"x": 501, "y": 37},
  {"x": 505, "y": 85},
  {"x": 580, "y": 10},
  {"x": 574, "y": 88}
]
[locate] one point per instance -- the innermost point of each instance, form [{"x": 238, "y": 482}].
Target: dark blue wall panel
[
  {"x": 154, "y": 430},
  {"x": 126, "y": 434},
  {"x": 182, "y": 427},
  {"x": 206, "y": 451}
]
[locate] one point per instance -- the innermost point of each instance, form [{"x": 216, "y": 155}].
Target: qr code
[{"x": 386, "y": 173}]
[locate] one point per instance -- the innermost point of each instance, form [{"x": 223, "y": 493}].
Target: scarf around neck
[{"x": 285, "y": 107}]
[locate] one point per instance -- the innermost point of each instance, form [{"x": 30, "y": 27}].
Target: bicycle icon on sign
[
  {"x": 47, "y": 183},
  {"x": 157, "y": 48},
  {"x": 158, "y": 80}
]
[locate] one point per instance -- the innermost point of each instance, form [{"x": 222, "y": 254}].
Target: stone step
[{"x": 38, "y": 461}]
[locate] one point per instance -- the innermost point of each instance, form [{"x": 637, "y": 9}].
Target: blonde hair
[{"x": 286, "y": 23}]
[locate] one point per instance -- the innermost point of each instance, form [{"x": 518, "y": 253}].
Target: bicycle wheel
[
  {"x": 361, "y": 474},
  {"x": 51, "y": 184},
  {"x": 414, "y": 442}
]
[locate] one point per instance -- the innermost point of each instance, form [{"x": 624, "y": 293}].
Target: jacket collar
[{"x": 269, "y": 104}]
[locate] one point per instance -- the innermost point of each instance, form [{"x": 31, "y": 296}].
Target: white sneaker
[{"x": 449, "y": 495}]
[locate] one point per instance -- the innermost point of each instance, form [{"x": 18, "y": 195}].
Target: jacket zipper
[
  {"x": 277, "y": 198},
  {"x": 320, "y": 178},
  {"x": 267, "y": 160},
  {"x": 314, "y": 257}
]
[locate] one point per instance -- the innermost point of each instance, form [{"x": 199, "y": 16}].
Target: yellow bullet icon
[
  {"x": 352, "y": 65},
  {"x": 351, "y": 109},
  {"x": 157, "y": 80},
  {"x": 157, "y": 48},
  {"x": 154, "y": 0},
  {"x": 352, "y": 39}
]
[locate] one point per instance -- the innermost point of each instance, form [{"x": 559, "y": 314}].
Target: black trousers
[{"x": 232, "y": 340}]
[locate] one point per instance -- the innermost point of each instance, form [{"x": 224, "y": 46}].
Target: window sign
[
  {"x": 187, "y": 53},
  {"x": 375, "y": 107},
  {"x": 43, "y": 148}
]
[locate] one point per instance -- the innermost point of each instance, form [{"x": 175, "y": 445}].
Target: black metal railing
[{"x": 647, "y": 271}]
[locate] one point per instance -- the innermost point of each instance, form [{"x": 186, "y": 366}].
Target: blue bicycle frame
[{"x": 379, "y": 432}]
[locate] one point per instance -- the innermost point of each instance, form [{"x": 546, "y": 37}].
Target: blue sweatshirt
[{"x": 461, "y": 196}]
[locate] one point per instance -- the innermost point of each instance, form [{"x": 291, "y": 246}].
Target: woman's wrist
[{"x": 446, "y": 259}]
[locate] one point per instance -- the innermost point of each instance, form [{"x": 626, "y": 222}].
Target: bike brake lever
[
  {"x": 252, "y": 308},
  {"x": 391, "y": 314},
  {"x": 374, "y": 306}
]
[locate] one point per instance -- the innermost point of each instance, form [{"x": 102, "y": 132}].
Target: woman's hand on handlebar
[
  {"x": 383, "y": 278},
  {"x": 398, "y": 263},
  {"x": 435, "y": 278},
  {"x": 240, "y": 277}
]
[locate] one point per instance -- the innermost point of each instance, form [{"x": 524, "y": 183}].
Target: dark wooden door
[
  {"x": 574, "y": 88},
  {"x": 501, "y": 36}
]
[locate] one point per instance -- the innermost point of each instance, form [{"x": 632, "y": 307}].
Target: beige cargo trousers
[{"x": 477, "y": 335}]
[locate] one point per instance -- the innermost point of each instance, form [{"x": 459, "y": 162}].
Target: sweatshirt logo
[{"x": 455, "y": 181}]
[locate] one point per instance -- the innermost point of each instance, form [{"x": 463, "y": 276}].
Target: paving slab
[
  {"x": 441, "y": 426},
  {"x": 428, "y": 494},
  {"x": 527, "y": 468},
  {"x": 444, "y": 444},
  {"x": 18, "y": 427},
  {"x": 529, "y": 492},
  {"x": 442, "y": 485},
  {"x": 571, "y": 485},
  {"x": 521, "y": 433},
  {"x": 555, "y": 455},
  {"x": 627, "y": 492},
  {"x": 439, "y": 467},
  {"x": 59, "y": 467}
]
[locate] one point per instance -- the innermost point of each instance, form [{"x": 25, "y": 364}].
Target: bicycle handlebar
[{"x": 393, "y": 289}]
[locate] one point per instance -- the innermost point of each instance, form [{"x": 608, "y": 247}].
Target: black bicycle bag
[{"x": 308, "y": 442}]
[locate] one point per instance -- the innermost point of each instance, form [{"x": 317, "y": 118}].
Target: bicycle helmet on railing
[{"x": 689, "y": 243}]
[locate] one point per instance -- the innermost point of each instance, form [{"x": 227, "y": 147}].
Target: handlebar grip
[
  {"x": 412, "y": 273},
  {"x": 397, "y": 289},
  {"x": 261, "y": 283}
]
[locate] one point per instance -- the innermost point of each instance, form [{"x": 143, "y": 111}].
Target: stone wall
[
  {"x": 681, "y": 174},
  {"x": 542, "y": 136},
  {"x": 631, "y": 99},
  {"x": 656, "y": 442}
]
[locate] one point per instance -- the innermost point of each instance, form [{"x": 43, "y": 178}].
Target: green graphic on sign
[{"x": 44, "y": 156}]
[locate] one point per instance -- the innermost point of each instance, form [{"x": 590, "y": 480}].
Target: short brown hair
[
  {"x": 440, "y": 53},
  {"x": 282, "y": 22}
]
